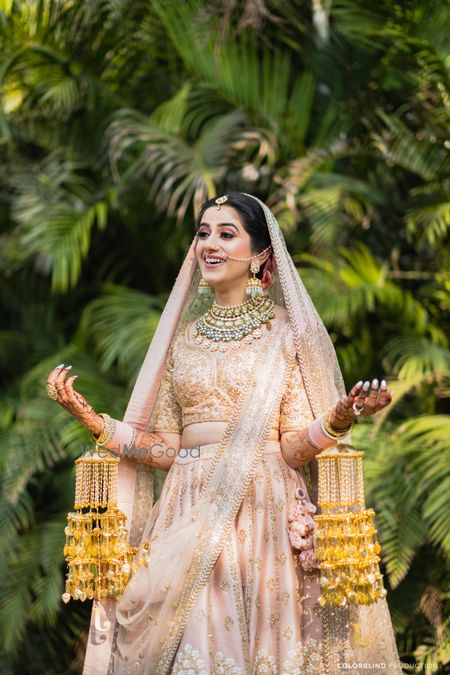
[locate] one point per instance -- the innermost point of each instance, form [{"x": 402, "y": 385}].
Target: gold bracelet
[
  {"x": 109, "y": 427},
  {"x": 329, "y": 431}
]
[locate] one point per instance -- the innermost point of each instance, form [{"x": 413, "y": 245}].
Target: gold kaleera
[
  {"x": 97, "y": 551},
  {"x": 345, "y": 536}
]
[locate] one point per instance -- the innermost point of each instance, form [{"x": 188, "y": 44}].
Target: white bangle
[
  {"x": 312, "y": 442},
  {"x": 317, "y": 437}
]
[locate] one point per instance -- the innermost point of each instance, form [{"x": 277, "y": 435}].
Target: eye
[
  {"x": 202, "y": 234},
  {"x": 227, "y": 235}
]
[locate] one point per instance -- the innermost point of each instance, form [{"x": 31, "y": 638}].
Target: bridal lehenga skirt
[{"x": 256, "y": 614}]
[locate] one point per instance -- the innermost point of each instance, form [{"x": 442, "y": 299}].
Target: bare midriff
[{"x": 205, "y": 433}]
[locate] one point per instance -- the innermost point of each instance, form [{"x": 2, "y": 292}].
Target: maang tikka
[{"x": 220, "y": 200}]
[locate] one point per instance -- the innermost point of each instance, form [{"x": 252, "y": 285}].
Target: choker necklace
[{"x": 222, "y": 328}]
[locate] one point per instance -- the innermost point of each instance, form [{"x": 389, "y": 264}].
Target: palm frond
[
  {"x": 394, "y": 501},
  {"x": 180, "y": 172},
  {"x": 401, "y": 146},
  {"x": 356, "y": 283},
  {"x": 416, "y": 358},
  {"x": 425, "y": 440},
  {"x": 121, "y": 324},
  {"x": 244, "y": 73},
  {"x": 56, "y": 212},
  {"x": 431, "y": 221}
]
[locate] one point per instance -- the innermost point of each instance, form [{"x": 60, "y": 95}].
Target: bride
[{"x": 240, "y": 390}]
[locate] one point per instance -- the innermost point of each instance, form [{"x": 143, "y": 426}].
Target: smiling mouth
[{"x": 213, "y": 261}]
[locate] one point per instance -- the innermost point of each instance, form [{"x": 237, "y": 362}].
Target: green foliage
[{"x": 117, "y": 119}]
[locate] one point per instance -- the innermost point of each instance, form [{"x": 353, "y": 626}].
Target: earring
[
  {"x": 254, "y": 285},
  {"x": 203, "y": 287}
]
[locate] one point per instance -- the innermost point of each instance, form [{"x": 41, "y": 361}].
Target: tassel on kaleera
[
  {"x": 97, "y": 551},
  {"x": 345, "y": 536}
]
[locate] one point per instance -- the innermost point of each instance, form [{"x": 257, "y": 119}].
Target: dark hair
[{"x": 252, "y": 216}]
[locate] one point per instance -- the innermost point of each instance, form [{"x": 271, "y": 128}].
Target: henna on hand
[
  {"x": 73, "y": 401},
  {"x": 369, "y": 397},
  {"x": 147, "y": 448},
  {"x": 296, "y": 448}
]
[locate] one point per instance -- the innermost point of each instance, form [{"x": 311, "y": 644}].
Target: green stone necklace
[{"x": 221, "y": 328}]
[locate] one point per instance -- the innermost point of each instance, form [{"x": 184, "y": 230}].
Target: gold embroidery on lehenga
[
  {"x": 212, "y": 647},
  {"x": 287, "y": 633},
  {"x": 249, "y": 506},
  {"x": 200, "y": 614},
  {"x": 182, "y": 493},
  {"x": 242, "y": 536},
  {"x": 228, "y": 623},
  {"x": 280, "y": 505},
  {"x": 224, "y": 586},
  {"x": 284, "y": 597},
  {"x": 264, "y": 664},
  {"x": 188, "y": 660},
  {"x": 271, "y": 584},
  {"x": 273, "y": 620},
  {"x": 238, "y": 598},
  {"x": 304, "y": 659},
  {"x": 172, "y": 503},
  {"x": 282, "y": 557},
  {"x": 194, "y": 484},
  {"x": 276, "y": 526},
  {"x": 270, "y": 500},
  {"x": 258, "y": 563},
  {"x": 225, "y": 665},
  {"x": 277, "y": 474}
]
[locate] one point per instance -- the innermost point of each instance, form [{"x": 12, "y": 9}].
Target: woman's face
[{"x": 219, "y": 235}]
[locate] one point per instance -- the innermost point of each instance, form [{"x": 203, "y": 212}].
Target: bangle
[
  {"x": 329, "y": 431},
  {"x": 317, "y": 438},
  {"x": 109, "y": 428},
  {"x": 312, "y": 442}
]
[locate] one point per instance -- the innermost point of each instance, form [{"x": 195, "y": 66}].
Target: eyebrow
[{"x": 221, "y": 225}]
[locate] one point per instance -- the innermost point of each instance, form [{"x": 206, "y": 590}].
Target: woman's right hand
[{"x": 72, "y": 401}]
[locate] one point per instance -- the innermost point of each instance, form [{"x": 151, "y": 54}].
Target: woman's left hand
[{"x": 365, "y": 399}]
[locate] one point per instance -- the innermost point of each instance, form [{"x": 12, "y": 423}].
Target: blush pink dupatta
[{"x": 138, "y": 412}]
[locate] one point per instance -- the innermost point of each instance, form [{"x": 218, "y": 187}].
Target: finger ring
[
  {"x": 357, "y": 409},
  {"x": 52, "y": 392}
]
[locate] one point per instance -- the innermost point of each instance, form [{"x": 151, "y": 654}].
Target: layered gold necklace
[{"x": 222, "y": 328}]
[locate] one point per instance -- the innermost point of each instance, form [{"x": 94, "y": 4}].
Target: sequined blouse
[{"x": 203, "y": 386}]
